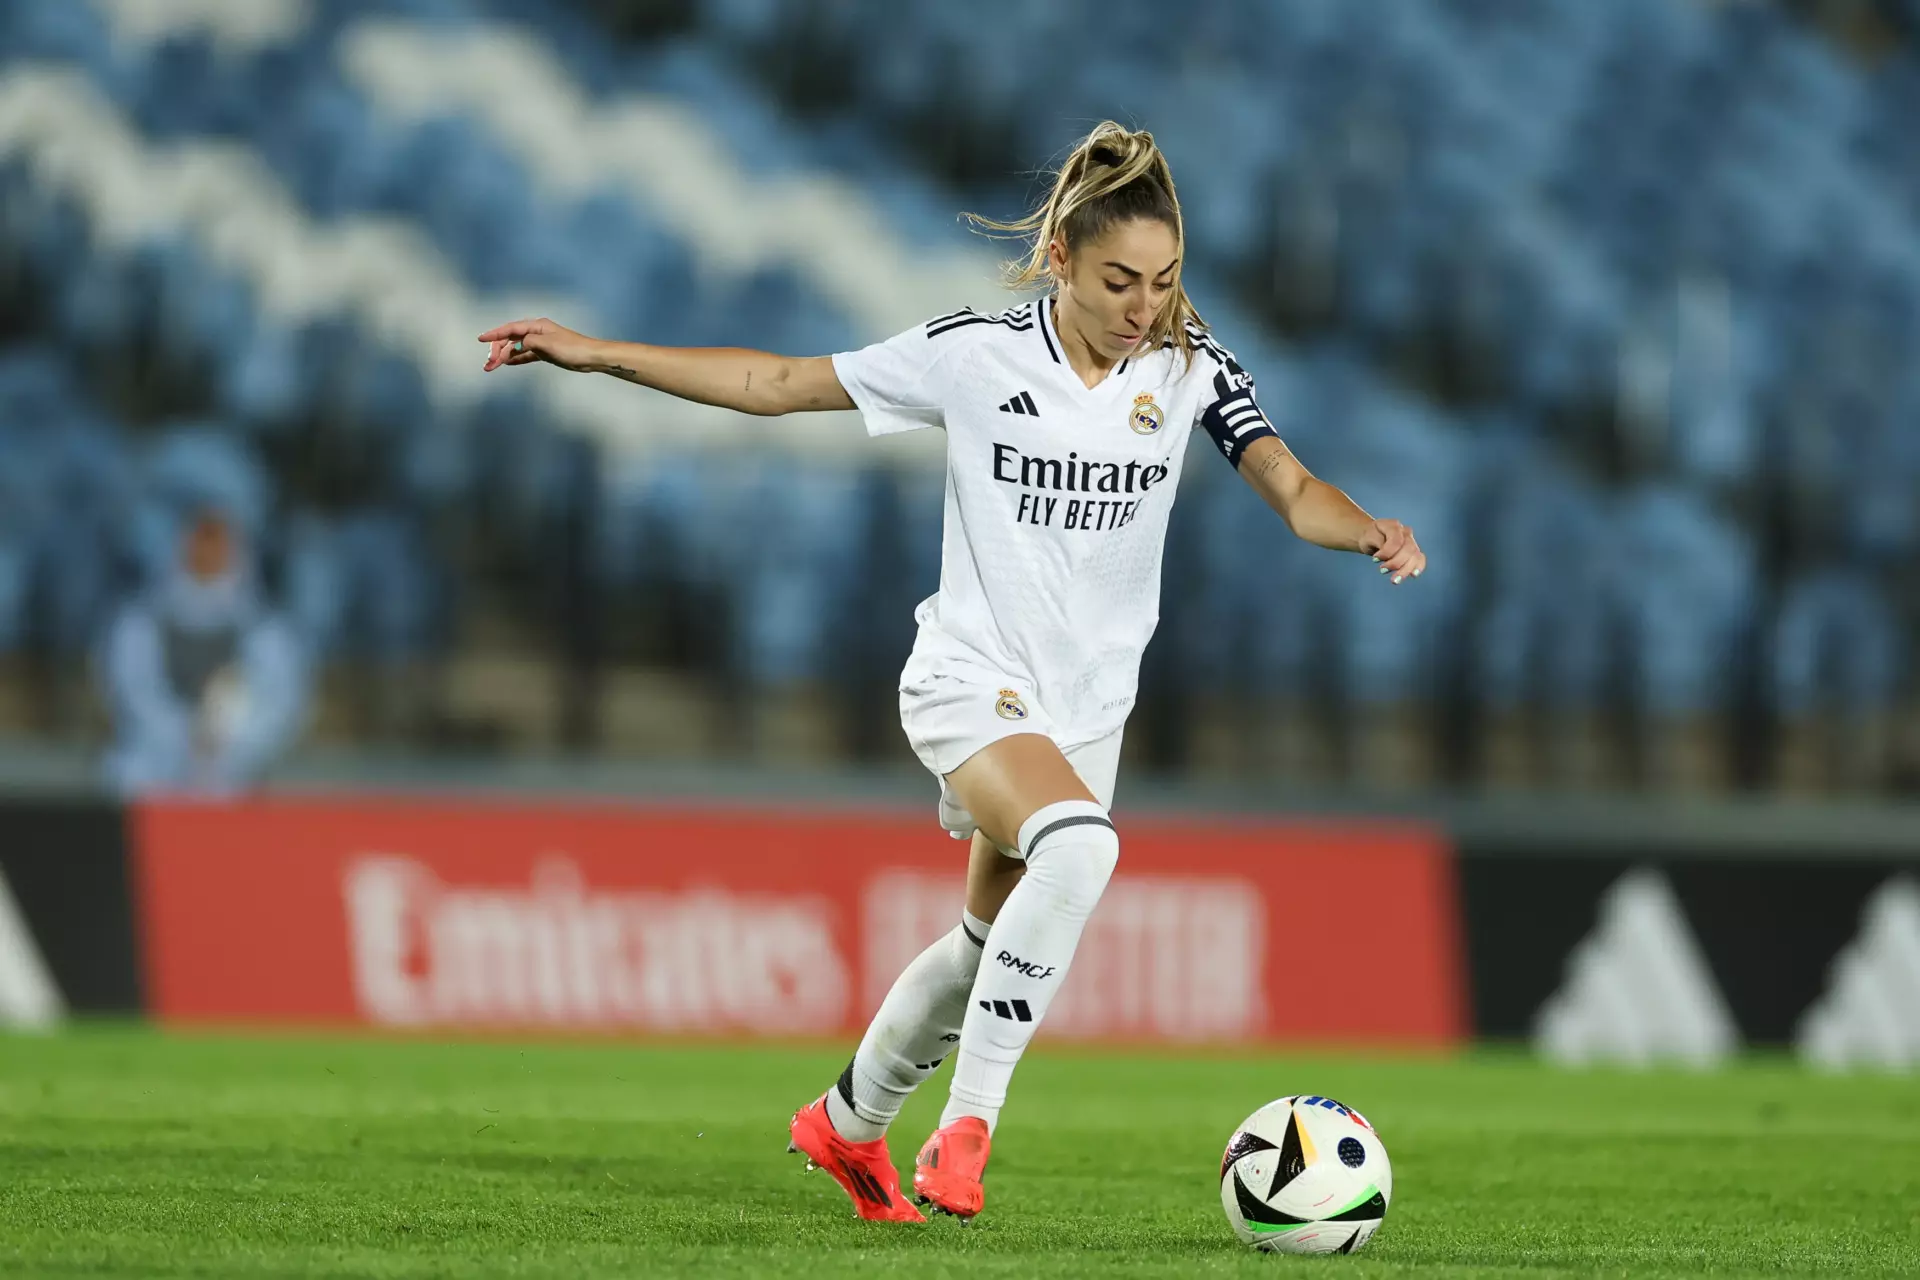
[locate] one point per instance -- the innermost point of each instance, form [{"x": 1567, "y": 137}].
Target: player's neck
[{"x": 1087, "y": 364}]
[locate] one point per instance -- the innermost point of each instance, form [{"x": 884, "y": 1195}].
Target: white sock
[
  {"x": 1070, "y": 849},
  {"x": 913, "y": 1032}
]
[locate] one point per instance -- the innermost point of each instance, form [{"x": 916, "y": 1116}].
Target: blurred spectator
[{"x": 207, "y": 687}]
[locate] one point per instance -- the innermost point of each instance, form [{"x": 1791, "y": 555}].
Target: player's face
[{"x": 1113, "y": 288}]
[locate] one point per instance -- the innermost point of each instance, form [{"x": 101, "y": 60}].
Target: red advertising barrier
[{"x": 641, "y": 920}]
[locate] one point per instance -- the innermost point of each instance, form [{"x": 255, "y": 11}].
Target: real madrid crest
[
  {"x": 1146, "y": 416},
  {"x": 1009, "y": 706}
]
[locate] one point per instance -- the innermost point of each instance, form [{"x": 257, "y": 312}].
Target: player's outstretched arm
[
  {"x": 1323, "y": 515},
  {"x": 732, "y": 377}
]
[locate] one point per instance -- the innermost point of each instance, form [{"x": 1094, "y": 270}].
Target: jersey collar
[{"x": 1043, "y": 309}]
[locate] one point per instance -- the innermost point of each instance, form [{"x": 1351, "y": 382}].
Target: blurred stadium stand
[{"x": 1614, "y": 303}]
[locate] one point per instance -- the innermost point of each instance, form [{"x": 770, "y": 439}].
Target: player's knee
[{"x": 1072, "y": 847}]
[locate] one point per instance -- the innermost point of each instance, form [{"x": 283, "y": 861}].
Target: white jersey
[{"x": 1057, "y": 497}]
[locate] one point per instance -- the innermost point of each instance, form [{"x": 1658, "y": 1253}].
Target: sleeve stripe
[
  {"x": 950, "y": 326},
  {"x": 1204, "y": 341},
  {"x": 1235, "y": 431},
  {"x": 936, "y": 329}
]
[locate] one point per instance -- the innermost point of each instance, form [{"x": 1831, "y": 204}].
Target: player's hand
[
  {"x": 1391, "y": 544},
  {"x": 525, "y": 341}
]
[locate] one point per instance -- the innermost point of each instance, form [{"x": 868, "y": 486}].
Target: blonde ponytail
[{"x": 1113, "y": 175}]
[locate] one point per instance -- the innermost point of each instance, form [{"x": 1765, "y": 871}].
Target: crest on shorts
[
  {"x": 1146, "y": 417},
  {"x": 1009, "y": 706}
]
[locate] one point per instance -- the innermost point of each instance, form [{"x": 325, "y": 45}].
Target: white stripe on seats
[
  {"x": 382, "y": 273},
  {"x": 670, "y": 163}
]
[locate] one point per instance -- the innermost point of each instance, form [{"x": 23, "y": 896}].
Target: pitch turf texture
[{"x": 128, "y": 1153}]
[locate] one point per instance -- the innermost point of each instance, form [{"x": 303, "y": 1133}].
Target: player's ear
[{"x": 1057, "y": 259}]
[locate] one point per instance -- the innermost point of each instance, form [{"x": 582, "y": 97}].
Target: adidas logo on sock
[
  {"x": 1022, "y": 403},
  {"x": 1013, "y": 1010}
]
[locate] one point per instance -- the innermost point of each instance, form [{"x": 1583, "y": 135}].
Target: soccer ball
[{"x": 1305, "y": 1175}]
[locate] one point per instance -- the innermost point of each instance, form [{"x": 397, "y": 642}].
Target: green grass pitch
[{"x": 128, "y": 1153}]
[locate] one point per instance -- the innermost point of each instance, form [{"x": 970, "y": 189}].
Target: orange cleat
[
  {"x": 864, "y": 1170},
  {"x": 947, "y": 1172}
]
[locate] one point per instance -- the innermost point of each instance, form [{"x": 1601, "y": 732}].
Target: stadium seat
[{"x": 1835, "y": 646}]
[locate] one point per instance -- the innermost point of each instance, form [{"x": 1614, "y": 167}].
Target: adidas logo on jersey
[{"x": 1022, "y": 403}]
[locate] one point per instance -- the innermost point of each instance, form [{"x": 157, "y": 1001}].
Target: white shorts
[{"x": 948, "y": 718}]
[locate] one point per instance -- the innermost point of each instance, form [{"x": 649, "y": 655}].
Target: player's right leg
[
  {"x": 911, "y": 1034},
  {"x": 1028, "y": 799}
]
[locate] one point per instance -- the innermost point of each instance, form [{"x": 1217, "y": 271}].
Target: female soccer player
[{"x": 1067, "y": 419}]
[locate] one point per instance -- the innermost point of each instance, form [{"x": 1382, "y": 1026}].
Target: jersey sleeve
[
  {"x": 899, "y": 384},
  {"x": 1229, "y": 411}
]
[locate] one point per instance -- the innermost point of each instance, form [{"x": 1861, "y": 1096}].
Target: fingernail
[
  {"x": 1383, "y": 569},
  {"x": 519, "y": 345},
  {"x": 1397, "y": 578},
  {"x": 1418, "y": 572}
]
